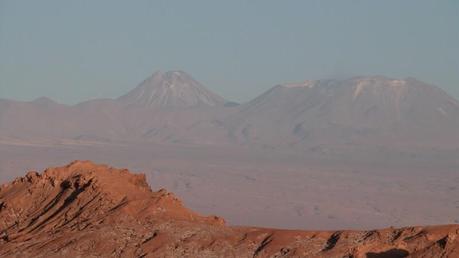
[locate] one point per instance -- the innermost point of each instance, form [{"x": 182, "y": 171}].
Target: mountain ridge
[
  {"x": 350, "y": 110},
  {"x": 172, "y": 107},
  {"x": 87, "y": 209}
]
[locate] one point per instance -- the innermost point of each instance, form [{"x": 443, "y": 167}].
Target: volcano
[
  {"x": 368, "y": 112},
  {"x": 373, "y": 110},
  {"x": 172, "y": 89}
]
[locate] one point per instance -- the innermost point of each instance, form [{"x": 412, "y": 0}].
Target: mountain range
[{"x": 172, "y": 107}]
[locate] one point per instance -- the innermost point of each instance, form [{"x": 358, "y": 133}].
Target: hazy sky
[{"x": 75, "y": 50}]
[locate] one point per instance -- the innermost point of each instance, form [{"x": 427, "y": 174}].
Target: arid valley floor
[{"x": 272, "y": 188}]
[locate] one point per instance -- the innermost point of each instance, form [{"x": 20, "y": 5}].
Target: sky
[{"x": 72, "y": 51}]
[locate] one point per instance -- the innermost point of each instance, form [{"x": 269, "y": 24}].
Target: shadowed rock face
[{"x": 84, "y": 209}]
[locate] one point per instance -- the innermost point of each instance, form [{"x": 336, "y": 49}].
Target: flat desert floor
[{"x": 272, "y": 188}]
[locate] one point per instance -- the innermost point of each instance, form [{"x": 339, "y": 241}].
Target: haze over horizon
[
  {"x": 65, "y": 51},
  {"x": 167, "y": 128}
]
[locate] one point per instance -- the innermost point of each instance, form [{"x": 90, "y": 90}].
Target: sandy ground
[{"x": 272, "y": 188}]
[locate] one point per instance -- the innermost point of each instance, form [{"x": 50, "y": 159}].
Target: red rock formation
[{"x": 88, "y": 210}]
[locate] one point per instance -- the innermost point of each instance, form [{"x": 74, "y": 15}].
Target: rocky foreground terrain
[{"x": 89, "y": 210}]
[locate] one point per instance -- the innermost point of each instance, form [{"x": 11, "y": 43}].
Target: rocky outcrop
[{"x": 89, "y": 210}]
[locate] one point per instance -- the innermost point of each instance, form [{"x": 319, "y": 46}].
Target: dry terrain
[
  {"x": 88, "y": 210},
  {"x": 274, "y": 189}
]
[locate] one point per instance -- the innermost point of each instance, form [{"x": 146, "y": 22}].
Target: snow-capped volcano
[
  {"x": 173, "y": 89},
  {"x": 361, "y": 109}
]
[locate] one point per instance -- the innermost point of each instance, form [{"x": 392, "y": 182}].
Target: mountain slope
[
  {"x": 362, "y": 110},
  {"x": 167, "y": 107},
  {"x": 86, "y": 210},
  {"x": 173, "y": 89}
]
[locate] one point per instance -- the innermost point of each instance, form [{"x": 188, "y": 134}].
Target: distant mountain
[
  {"x": 166, "y": 107},
  {"x": 84, "y": 210},
  {"x": 172, "y": 107},
  {"x": 171, "y": 90},
  {"x": 361, "y": 110}
]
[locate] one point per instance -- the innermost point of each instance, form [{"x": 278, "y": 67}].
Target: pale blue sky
[{"x": 76, "y": 50}]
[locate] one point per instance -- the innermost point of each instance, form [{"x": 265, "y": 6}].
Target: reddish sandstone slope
[{"x": 90, "y": 210}]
